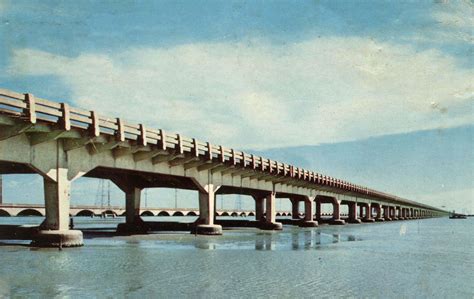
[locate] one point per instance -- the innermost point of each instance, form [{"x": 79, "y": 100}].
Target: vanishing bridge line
[{"x": 63, "y": 143}]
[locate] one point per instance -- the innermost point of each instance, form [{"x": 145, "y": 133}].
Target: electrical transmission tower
[{"x": 100, "y": 195}]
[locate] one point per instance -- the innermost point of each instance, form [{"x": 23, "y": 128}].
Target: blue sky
[{"x": 266, "y": 75}]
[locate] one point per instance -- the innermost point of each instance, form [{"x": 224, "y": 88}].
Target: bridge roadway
[{"x": 63, "y": 143}]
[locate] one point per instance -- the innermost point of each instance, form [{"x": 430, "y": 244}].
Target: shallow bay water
[{"x": 430, "y": 258}]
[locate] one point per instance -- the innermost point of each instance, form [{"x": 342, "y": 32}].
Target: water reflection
[
  {"x": 205, "y": 243},
  {"x": 291, "y": 238},
  {"x": 314, "y": 239},
  {"x": 264, "y": 242},
  {"x": 309, "y": 239}
]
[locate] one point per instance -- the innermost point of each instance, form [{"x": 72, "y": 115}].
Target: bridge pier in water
[
  {"x": 378, "y": 212},
  {"x": 336, "y": 206},
  {"x": 368, "y": 212},
  {"x": 54, "y": 231},
  {"x": 133, "y": 221},
  {"x": 259, "y": 208},
  {"x": 270, "y": 213},
  {"x": 353, "y": 213},
  {"x": 295, "y": 208},
  {"x": 386, "y": 213},
  {"x": 205, "y": 224},
  {"x": 309, "y": 203}
]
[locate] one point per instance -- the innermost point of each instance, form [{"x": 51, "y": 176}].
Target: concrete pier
[
  {"x": 133, "y": 222},
  {"x": 336, "y": 205},
  {"x": 295, "y": 208},
  {"x": 336, "y": 216},
  {"x": 207, "y": 200},
  {"x": 386, "y": 213},
  {"x": 368, "y": 213},
  {"x": 54, "y": 231},
  {"x": 259, "y": 208},
  {"x": 353, "y": 213},
  {"x": 270, "y": 214},
  {"x": 308, "y": 213}
]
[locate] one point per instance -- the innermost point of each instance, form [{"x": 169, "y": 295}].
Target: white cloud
[
  {"x": 454, "y": 25},
  {"x": 456, "y": 15},
  {"x": 253, "y": 94}
]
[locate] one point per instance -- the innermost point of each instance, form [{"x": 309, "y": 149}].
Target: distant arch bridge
[{"x": 83, "y": 210}]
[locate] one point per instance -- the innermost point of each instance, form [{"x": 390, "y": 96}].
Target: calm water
[{"x": 408, "y": 259}]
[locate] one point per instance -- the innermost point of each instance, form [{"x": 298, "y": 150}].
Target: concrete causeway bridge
[{"x": 63, "y": 143}]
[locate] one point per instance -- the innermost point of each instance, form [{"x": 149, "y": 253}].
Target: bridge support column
[
  {"x": 400, "y": 214},
  {"x": 368, "y": 213},
  {"x": 378, "y": 212},
  {"x": 308, "y": 213},
  {"x": 270, "y": 219},
  {"x": 295, "y": 209},
  {"x": 386, "y": 213},
  {"x": 54, "y": 231},
  {"x": 393, "y": 213},
  {"x": 259, "y": 209},
  {"x": 205, "y": 223},
  {"x": 318, "y": 210},
  {"x": 353, "y": 213},
  {"x": 133, "y": 221},
  {"x": 336, "y": 214}
]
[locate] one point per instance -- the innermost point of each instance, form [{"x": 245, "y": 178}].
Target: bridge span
[{"x": 63, "y": 143}]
